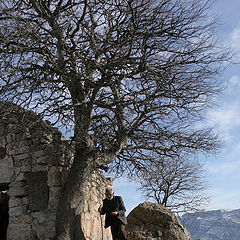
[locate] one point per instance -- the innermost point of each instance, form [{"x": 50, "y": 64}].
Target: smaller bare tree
[{"x": 175, "y": 183}]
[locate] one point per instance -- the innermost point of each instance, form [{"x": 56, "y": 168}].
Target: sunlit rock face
[{"x": 150, "y": 221}]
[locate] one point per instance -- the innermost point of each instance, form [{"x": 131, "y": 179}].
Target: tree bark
[{"x": 71, "y": 203}]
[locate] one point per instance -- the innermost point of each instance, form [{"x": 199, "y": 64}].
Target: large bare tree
[{"x": 128, "y": 77}]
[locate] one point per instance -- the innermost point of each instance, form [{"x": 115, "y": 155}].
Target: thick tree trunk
[{"x": 71, "y": 202}]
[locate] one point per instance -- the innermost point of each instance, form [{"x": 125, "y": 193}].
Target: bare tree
[
  {"x": 178, "y": 184},
  {"x": 127, "y": 77}
]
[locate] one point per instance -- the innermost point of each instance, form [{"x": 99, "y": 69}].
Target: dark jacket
[{"x": 116, "y": 205}]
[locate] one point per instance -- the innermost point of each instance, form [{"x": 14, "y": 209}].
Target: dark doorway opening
[{"x": 4, "y": 216}]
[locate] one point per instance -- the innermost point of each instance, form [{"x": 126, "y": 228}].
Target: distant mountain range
[{"x": 213, "y": 225}]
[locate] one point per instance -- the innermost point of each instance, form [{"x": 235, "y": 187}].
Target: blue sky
[{"x": 223, "y": 169}]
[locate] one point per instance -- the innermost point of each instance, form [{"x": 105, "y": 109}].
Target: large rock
[{"x": 150, "y": 221}]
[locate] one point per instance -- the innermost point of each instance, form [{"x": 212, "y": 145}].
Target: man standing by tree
[
  {"x": 128, "y": 78},
  {"x": 114, "y": 209}
]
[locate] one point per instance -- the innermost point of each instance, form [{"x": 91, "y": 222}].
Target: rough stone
[
  {"x": 33, "y": 146},
  {"x": 6, "y": 169},
  {"x": 43, "y": 215},
  {"x": 17, "y": 211},
  {"x": 21, "y": 177},
  {"x": 19, "y": 231},
  {"x": 38, "y": 190},
  {"x": 3, "y": 142},
  {"x": 25, "y": 169},
  {"x": 20, "y": 151},
  {"x": 17, "y": 184},
  {"x": 45, "y": 230},
  {"x": 11, "y": 138},
  {"x": 17, "y": 191},
  {"x": 54, "y": 195},
  {"x": 16, "y": 201},
  {"x": 54, "y": 177},
  {"x": 150, "y": 221}
]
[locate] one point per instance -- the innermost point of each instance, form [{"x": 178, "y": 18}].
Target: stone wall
[
  {"x": 34, "y": 163},
  {"x": 92, "y": 222}
]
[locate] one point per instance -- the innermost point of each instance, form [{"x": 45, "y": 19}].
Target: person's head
[{"x": 109, "y": 192}]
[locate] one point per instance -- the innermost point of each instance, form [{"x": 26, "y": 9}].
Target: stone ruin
[{"x": 34, "y": 163}]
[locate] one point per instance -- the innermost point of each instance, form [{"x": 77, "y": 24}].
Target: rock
[
  {"x": 17, "y": 211},
  {"x": 7, "y": 172},
  {"x": 19, "y": 231},
  {"x": 15, "y": 201},
  {"x": 150, "y": 221}
]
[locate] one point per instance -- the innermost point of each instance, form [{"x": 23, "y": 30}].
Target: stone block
[
  {"x": 54, "y": 177},
  {"x": 14, "y": 128},
  {"x": 17, "y": 201},
  {"x": 21, "y": 219},
  {"x": 20, "y": 151},
  {"x": 54, "y": 195},
  {"x": 38, "y": 168},
  {"x": 24, "y": 169},
  {"x": 38, "y": 190},
  {"x": 11, "y": 137},
  {"x": 20, "y": 177},
  {"x": 2, "y": 129},
  {"x": 13, "y": 119},
  {"x": 44, "y": 231},
  {"x": 21, "y": 156},
  {"x": 38, "y": 154},
  {"x": 6, "y": 171},
  {"x": 19, "y": 231},
  {"x": 21, "y": 136},
  {"x": 17, "y": 184},
  {"x": 18, "y": 191},
  {"x": 20, "y": 161},
  {"x": 43, "y": 216},
  {"x": 53, "y": 159},
  {"x": 17, "y": 211},
  {"x": 3, "y": 142},
  {"x": 42, "y": 160}
]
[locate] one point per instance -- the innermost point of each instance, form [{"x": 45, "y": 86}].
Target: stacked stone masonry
[{"x": 34, "y": 163}]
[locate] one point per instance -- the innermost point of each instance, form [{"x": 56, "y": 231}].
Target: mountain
[{"x": 213, "y": 225}]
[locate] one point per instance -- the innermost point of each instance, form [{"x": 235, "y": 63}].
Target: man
[{"x": 114, "y": 209}]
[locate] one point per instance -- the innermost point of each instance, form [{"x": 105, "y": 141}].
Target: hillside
[{"x": 213, "y": 225}]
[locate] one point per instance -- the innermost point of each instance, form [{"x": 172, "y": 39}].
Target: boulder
[{"x": 150, "y": 221}]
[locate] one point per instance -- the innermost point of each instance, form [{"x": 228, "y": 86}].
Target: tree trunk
[{"x": 71, "y": 202}]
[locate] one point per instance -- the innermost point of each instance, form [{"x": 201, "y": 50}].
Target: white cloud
[
  {"x": 225, "y": 168},
  {"x": 235, "y": 37},
  {"x": 234, "y": 83},
  {"x": 225, "y": 119}
]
